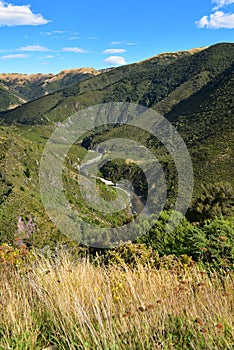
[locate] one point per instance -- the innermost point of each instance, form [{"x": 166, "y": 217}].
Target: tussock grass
[{"x": 76, "y": 305}]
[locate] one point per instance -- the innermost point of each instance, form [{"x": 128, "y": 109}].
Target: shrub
[
  {"x": 216, "y": 199},
  {"x": 164, "y": 240},
  {"x": 12, "y": 256},
  {"x": 212, "y": 243},
  {"x": 131, "y": 255}
]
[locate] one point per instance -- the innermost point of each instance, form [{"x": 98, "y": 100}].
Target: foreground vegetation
[{"x": 59, "y": 303}]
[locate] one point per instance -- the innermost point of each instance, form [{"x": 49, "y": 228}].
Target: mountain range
[{"x": 193, "y": 89}]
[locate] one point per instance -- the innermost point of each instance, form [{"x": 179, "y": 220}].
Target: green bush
[
  {"x": 165, "y": 240},
  {"x": 219, "y": 242},
  {"x": 212, "y": 243},
  {"x": 216, "y": 199}
]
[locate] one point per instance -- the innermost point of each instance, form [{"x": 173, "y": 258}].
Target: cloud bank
[
  {"x": 217, "y": 20},
  {"x": 19, "y": 15}
]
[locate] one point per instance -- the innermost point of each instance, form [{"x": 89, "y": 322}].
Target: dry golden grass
[{"x": 81, "y": 306}]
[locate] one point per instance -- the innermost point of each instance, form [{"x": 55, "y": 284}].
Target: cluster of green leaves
[
  {"x": 130, "y": 255},
  {"x": 134, "y": 255},
  {"x": 211, "y": 243}
]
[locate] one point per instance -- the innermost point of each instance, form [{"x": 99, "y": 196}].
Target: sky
[{"x": 50, "y": 36}]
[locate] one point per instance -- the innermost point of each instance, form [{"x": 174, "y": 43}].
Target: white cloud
[
  {"x": 59, "y": 31},
  {"x": 115, "y": 60},
  {"x": 110, "y": 51},
  {"x": 8, "y": 57},
  {"x": 46, "y": 57},
  {"x": 33, "y": 48},
  {"x": 18, "y": 15},
  {"x": 125, "y": 42},
  {"x": 217, "y": 20},
  {"x": 73, "y": 38},
  {"x": 221, "y": 3},
  {"x": 118, "y": 42},
  {"x": 74, "y": 49},
  {"x": 46, "y": 33}
]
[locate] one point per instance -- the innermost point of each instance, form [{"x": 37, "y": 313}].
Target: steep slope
[
  {"x": 205, "y": 121},
  {"x": 160, "y": 82},
  {"x": 9, "y": 100},
  {"x": 194, "y": 89},
  {"x": 20, "y": 153}
]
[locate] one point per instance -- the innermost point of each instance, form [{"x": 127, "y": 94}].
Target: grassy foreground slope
[{"x": 62, "y": 304}]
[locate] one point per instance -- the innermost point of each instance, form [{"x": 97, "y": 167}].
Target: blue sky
[{"x": 49, "y": 36}]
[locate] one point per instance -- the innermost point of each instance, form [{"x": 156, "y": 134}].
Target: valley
[
  {"x": 193, "y": 88},
  {"x": 127, "y": 270}
]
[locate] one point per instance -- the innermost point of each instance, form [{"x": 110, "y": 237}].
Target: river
[{"x": 135, "y": 202}]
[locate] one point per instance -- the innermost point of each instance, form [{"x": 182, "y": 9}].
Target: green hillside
[
  {"x": 21, "y": 149},
  {"x": 8, "y": 100},
  {"x": 160, "y": 82},
  {"x": 194, "y": 89},
  {"x": 205, "y": 121}
]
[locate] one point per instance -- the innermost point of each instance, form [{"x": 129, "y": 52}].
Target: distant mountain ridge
[
  {"x": 27, "y": 87},
  {"x": 161, "y": 82},
  {"x": 22, "y": 88},
  {"x": 177, "y": 54}
]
